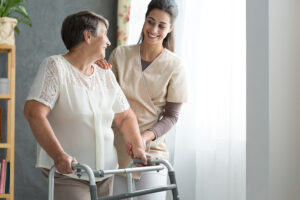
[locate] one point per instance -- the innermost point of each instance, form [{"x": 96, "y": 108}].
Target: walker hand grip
[
  {"x": 74, "y": 165},
  {"x": 139, "y": 161}
]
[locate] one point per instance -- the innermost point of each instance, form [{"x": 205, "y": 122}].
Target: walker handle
[
  {"x": 149, "y": 161},
  {"x": 74, "y": 165}
]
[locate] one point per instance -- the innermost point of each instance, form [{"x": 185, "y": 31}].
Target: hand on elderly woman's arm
[
  {"x": 148, "y": 136},
  {"x": 127, "y": 124},
  {"x": 36, "y": 113}
]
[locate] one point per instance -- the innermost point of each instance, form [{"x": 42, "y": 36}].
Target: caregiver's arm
[
  {"x": 126, "y": 122},
  {"x": 169, "y": 119},
  {"x": 36, "y": 113}
]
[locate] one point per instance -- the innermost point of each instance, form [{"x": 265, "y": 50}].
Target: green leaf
[
  {"x": 24, "y": 21},
  {"x": 9, "y": 5},
  {"x": 22, "y": 11},
  {"x": 10, "y": 8},
  {"x": 17, "y": 30},
  {"x": 1, "y": 11},
  {"x": 21, "y": 8},
  {"x": 1, "y": 3}
]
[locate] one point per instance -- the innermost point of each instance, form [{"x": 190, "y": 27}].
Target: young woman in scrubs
[{"x": 152, "y": 78}]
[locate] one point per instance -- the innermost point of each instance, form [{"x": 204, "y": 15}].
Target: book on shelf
[
  {"x": 7, "y": 181},
  {"x": 2, "y": 176},
  {"x": 0, "y": 124}
]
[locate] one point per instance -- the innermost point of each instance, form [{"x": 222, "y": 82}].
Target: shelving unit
[{"x": 9, "y": 145}]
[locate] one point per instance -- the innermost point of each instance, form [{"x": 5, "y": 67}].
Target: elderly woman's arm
[
  {"x": 126, "y": 122},
  {"x": 36, "y": 113}
]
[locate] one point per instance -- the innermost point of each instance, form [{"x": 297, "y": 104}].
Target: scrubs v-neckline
[
  {"x": 147, "y": 70},
  {"x": 155, "y": 60}
]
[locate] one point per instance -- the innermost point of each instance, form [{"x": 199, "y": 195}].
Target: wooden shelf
[
  {"x": 6, "y": 196},
  {"x": 5, "y": 48},
  {"x": 5, "y": 96},
  {"x": 4, "y": 145},
  {"x": 10, "y": 116}
]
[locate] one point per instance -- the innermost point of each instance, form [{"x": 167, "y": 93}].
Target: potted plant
[{"x": 12, "y": 12}]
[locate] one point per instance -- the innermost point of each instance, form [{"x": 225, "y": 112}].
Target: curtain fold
[
  {"x": 123, "y": 21},
  {"x": 211, "y": 131}
]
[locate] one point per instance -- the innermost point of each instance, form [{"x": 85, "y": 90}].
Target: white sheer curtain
[
  {"x": 137, "y": 18},
  {"x": 211, "y": 132}
]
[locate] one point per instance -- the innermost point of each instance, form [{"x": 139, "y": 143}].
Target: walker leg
[
  {"x": 51, "y": 183},
  {"x": 173, "y": 181}
]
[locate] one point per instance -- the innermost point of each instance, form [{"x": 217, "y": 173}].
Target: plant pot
[{"x": 7, "y": 27}]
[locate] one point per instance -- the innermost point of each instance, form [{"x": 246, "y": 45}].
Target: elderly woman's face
[{"x": 100, "y": 42}]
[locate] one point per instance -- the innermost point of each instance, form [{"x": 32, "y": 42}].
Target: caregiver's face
[{"x": 156, "y": 27}]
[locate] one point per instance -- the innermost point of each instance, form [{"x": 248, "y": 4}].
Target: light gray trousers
[
  {"x": 69, "y": 188},
  {"x": 148, "y": 180}
]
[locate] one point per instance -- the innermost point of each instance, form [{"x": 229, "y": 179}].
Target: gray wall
[
  {"x": 257, "y": 100},
  {"x": 34, "y": 44},
  {"x": 284, "y": 98},
  {"x": 273, "y": 139}
]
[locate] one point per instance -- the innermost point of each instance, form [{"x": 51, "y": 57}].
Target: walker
[{"x": 153, "y": 165}]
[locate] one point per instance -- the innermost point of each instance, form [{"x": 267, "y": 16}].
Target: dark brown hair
[
  {"x": 74, "y": 25},
  {"x": 170, "y": 7}
]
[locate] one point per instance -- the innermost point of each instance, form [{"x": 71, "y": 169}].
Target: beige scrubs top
[{"x": 147, "y": 92}]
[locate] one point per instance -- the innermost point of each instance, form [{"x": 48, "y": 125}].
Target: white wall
[
  {"x": 273, "y": 100},
  {"x": 284, "y": 99}
]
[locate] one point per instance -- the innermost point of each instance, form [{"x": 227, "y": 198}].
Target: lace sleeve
[
  {"x": 45, "y": 88},
  {"x": 121, "y": 104}
]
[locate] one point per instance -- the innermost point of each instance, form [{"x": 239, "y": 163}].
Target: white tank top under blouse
[{"x": 82, "y": 111}]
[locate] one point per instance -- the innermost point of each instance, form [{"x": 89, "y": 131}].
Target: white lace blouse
[{"x": 82, "y": 111}]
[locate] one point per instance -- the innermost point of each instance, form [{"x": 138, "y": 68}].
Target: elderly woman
[{"x": 71, "y": 107}]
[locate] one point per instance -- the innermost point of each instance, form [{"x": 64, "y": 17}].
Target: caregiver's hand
[{"x": 103, "y": 64}]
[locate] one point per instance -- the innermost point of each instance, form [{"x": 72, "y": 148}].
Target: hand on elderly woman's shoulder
[{"x": 103, "y": 64}]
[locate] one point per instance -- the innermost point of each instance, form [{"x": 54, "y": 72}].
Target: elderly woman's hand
[
  {"x": 140, "y": 153},
  {"x": 129, "y": 148},
  {"x": 103, "y": 64},
  {"x": 137, "y": 153},
  {"x": 63, "y": 163}
]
